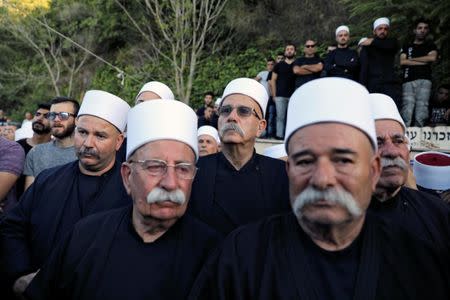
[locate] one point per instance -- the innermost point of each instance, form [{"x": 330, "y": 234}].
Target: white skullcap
[
  {"x": 24, "y": 132},
  {"x": 209, "y": 130},
  {"x": 432, "y": 170},
  {"x": 105, "y": 106},
  {"x": 380, "y": 21},
  {"x": 331, "y": 99},
  {"x": 248, "y": 87},
  {"x": 218, "y": 101},
  {"x": 158, "y": 88},
  {"x": 383, "y": 107},
  {"x": 342, "y": 28},
  {"x": 277, "y": 151},
  {"x": 161, "y": 120},
  {"x": 362, "y": 40}
]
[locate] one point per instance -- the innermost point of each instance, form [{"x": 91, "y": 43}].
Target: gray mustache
[
  {"x": 395, "y": 162},
  {"x": 160, "y": 195},
  {"x": 88, "y": 151},
  {"x": 231, "y": 126}
]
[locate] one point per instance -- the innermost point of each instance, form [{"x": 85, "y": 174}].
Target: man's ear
[{"x": 125, "y": 171}]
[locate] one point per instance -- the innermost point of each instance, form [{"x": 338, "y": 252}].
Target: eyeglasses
[
  {"x": 310, "y": 46},
  {"x": 62, "y": 115},
  {"x": 38, "y": 114},
  {"x": 158, "y": 168},
  {"x": 242, "y": 111}
]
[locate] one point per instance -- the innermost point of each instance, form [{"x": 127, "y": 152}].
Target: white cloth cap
[
  {"x": 161, "y": 120},
  {"x": 209, "y": 130},
  {"x": 277, "y": 151},
  {"x": 105, "y": 106},
  {"x": 362, "y": 40},
  {"x": 342, "y": 27},
  {"x": 381, "y": 21},
  {"x": 248, "y": 87},
  {"x": 24, "y": 132},
  {"x": 218, "y": 101},
  {"x": 383, "y": 107},
  {"x": 432, "y": 170},
  {"x": 330, "y": 99},
  {"x": 158, "y": 88}
]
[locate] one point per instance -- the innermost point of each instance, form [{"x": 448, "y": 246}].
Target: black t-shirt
[
  {"x": 285, "y": 80},
  {"x": 302, "y": 79},
  {"x": 412, "y": 50},
  {"x": 26, "y": 147}
]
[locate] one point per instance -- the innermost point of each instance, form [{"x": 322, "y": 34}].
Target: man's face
[
  {"x": 442, "y": 95},
  {"x": 342, "y": 38},
  {"x": 208, "y": 99},
  {"x": 310, "y": 48},
  {"x": 394, "y": 153},
  {"x": 279, "y": 58},
  {"x": 139, "y": 182},
  {"x": 421, "y": 31},
  {"x": 208, "y": 112},
  {"x": 207, "y": 145},
  {"x": 146, "y": 96},
  {"x": 236, "y": 129},
  {"x": 96, "y": 142},
  {"x": 270, "y": 65},
  {"x": 40, "y": 123},
  {"x": 381, "y": 31},
  {"x": 62, "y": 128},
  {"x": 289, "y": 51},
  {"x": 28, "y": 116},
  {"x": 334, "y": 159}
]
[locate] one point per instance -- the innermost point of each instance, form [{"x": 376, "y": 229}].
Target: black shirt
[
  {"x": 342, "y": 62},
  {"x": 412, "y": 50},
  {"x": 285, "y": 80},
  {"x": 302, "y": 79}
]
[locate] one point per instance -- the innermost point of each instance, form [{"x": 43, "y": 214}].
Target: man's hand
[
  {"x": 21, "y": 284},
  {"x": 367, "y": 42}
]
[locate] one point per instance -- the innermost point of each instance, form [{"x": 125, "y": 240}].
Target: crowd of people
[{"x": 157, "y": 201}]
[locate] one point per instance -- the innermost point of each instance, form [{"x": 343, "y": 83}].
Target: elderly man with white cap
[
  {"x": 150, "y": 250},
  {"x": 328, "y": 247},
  {"x": 237, "y": 186},
  {"x": 208, "y": 140},
  {"x": 377, "y": 58},
  {"x": 343, "y": 61},
  {"x": 61, "y": 196},
  {"x": 422, "y": 214}
]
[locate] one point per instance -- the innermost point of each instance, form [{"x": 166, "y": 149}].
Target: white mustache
[
  {"x": 334, "y": 195},
  {"x": 161, "y": 195},
  {"x": 397, "y": 162},
  {"x": 231, "y": 126}
]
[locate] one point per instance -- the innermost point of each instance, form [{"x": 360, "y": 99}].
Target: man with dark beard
[
  {"x": 62, "y": 195},
  {"x": 63, "y": 112},
  {"x": 328, "y": 247},
  {"x": 237, "y": 186},
  {"x": 420, "y": 213}
]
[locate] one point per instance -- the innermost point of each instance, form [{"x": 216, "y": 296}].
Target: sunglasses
[
  {"x": 62, "y": 115},
  {"x": 242, "y": 111},
  {"x": 38, "y": 114},
  {"x": 310, "y": 46}
]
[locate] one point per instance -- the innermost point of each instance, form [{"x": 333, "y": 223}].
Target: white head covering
[
  {"x": 381, "y": 21},
  {"x": 432, "y": 170},
  {"x": 341, "y": 28},
  {"x": 362, "y": 40},
  {"x": 105, "y": 106},
  {"x": 248, "y": 87},
  {"x": 209, "y": 130},
  {"x": 276, "y": 151},
  {"x": 331, "y": 99},
  {"x": 383, "y": 107},
  {"x": 218, "y": 101},
  {"x": 24, "y": 132},
  {"x": 161, "y": 120},
  {"x": 158, "y": 88}
]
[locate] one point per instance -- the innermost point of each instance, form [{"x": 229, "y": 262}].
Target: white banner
[{"x": 429, "y": 138}]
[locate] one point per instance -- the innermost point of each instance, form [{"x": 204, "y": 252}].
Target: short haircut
[
  {"x": 61, "y": 99},
  {"x": 209, "y": 93},
  {"x": 421, "y": 20},
  {"x": 444, "y": 86},
  {"x": 290, "y": 44},
  {"x": 43, "y": 106},
  {"x": 270, "y": 59},
  {"x": 210, "y": 105},
  {"x": 280, "y": 54},
  {"x": 310, "y": 39}
]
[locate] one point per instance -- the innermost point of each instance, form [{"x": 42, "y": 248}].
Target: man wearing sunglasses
[
  {"x": 237, "y": 186},
  {"x": 60, "y": 150},
  {"x": 162, "y": 248},
  {"x": 309, "y": 66},
  {"x": 62, "y": 195}
]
